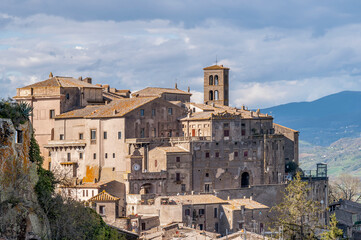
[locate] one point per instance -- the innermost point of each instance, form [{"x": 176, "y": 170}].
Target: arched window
[
  {"x": 216, "y": 80},
  {"x": 155, "y": 163},
  {"x": 210, "y": 95},
  {"x": 216, "y": 95},
  {"x": 245, "y": 179},
  {"x": 211, "y": 80}
]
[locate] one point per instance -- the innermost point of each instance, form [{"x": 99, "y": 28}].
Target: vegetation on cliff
[{"x": 66, "y": 218}]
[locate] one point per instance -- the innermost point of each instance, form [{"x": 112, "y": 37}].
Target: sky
[{"x": 277, "y": 51}]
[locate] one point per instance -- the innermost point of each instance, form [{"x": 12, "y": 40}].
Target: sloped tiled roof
[
  {"x": 103, "y": 197},
  {"x": 62, "y": 82},
  {"x": 119, "y": 108},
  {"x": 248, "y": 203},
  {"x": 215, "y": 67},
  {"x": 197, "y": 199},
  {"x": 173, "y": 149},
  {"x": 116, "y": 108},
  {"x": 78, "y": 113},
  {"x": 154, "y": 91}
]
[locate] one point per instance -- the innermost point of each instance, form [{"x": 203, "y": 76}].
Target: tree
[
  {"x": 345, "y": 187},
  {"x": 333, "y": 232},
  {"x": 297, "y": 214}
]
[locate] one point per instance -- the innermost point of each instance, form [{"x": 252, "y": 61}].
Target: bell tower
[{"x": 216, "y": 85}]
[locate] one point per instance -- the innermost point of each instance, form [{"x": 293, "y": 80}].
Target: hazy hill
[
  {"x": 323, "y": 121},
  {"x": 342, "y": 156}
]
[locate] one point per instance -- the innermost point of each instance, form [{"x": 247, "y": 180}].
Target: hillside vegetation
[{"x": 342, "y": 156}]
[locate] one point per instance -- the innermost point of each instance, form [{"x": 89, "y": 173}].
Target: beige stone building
[{"x": 160, "y": 145}]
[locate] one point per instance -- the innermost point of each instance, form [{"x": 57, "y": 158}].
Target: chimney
[
  {"x": 176, "y": 86},
  {"x": 50, "y": 75},
  {"x": 80, "y": 78},
  {"x": 189, "y": 89},
  {"x": 88, "y": 80}
]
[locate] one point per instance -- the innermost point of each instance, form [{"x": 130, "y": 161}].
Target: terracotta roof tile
[
  {"x": 197, "y": 199},
  {"x": 173, "y": 149},
  {"x": 153, "y": 91},
  {"x": 117, "y": 108},
  {"x": 103, "y": 197},
  {"x": 62, "y": 82},
  {"x": 248, "y": 203},
  {"x": 215, "y": 67}
]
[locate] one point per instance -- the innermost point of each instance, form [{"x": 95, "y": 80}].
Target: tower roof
[{"x": 215, "y": 67}]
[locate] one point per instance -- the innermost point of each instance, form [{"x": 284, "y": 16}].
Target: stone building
[
  {"x": 55, "y": 96},
  {"x": 158, "y": 143}
]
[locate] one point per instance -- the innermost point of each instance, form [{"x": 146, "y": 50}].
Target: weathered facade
[{"x": 158, "y": 143}]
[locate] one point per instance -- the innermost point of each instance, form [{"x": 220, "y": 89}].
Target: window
[
  {"x": 207, "y": 154},
  {"x": 243, "y": 132},
  {"x": 215, "y": 212},
  {"x": 142, "y": 132},
  {"x": 83, "y": 193},
  {"x": 206, "y": 187},
  {"x": 216, "y": 95},
  {"x": 141, "y": 112},
  {"x": 201, "y": 227},
  {"x": 119, "y": 135},
  {"x": 52, "y": 113},
  {"x": 155, "y": 163},
  {"x": 216, "y": 80},
  {"x": 92, "y": 193},
  {"x": 210, "y": 95},
  {"x": 207, "y": 174},
  {"x": 217, "y": 154},
  {"x": 201, "y": 211},
  {"x": 187, "y": 212},
  {"x": 94, "y": 156},
  {"x": 177, "y": 159},
  {"x": 106, "y": 155},
  {"x": 183, "y": 188},
  {"x": 226, "y": 133},
  {"x": 177, "y": 177},
  {"x": 170, "y": 111},
  {"x": 225, "y": 125},
  {"x": 245, "y": 154},
  {"x": 211, "y": 80},
  {"x": 105, "y": 135},
  {"x": 67, "y": 96},
  {"x": 216, "y": 227},
  {"x": 194, "y": 109},
  {"x": 153, "y": 112},
  {"x": 80, "y": 155},
  {"x": 19, "y": 136},
  {"x": 81, "y": 136},
  {"x": 68, "y": 157},
  {"x": 113, "y": 155},
  {"x": 61, "y": 137},
  {"x": 235, "y": 154},
  {"x": 93, "y": 134},
  {"x": 101, "y": 209},
  {"x": 86, "y": 192},
  {"x": 154, "y": 132}
]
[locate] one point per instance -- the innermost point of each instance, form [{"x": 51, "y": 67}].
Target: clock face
[{"x": 136, "y": 167}]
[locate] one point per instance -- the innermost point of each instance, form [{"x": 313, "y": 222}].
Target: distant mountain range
[{"x": 323, "y": 121}]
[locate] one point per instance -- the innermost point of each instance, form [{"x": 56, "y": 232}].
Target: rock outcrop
[{"x": 21, "y": 216}]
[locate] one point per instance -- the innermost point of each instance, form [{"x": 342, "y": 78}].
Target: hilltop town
[{"x": 152, "y": 160}]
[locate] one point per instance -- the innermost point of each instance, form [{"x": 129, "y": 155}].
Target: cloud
[{"x": 269, "y": 65}]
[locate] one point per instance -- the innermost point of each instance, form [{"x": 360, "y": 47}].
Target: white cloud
[{"x": 269, "y": 65}]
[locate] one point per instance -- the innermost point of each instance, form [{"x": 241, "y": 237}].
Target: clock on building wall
[{"x": 136, "y": 167}]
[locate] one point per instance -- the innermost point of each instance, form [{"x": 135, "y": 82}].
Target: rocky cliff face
[{"x": 21, "y": 217}]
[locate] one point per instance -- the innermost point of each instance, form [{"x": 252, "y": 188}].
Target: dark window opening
[
  {"x": 236, "y": 154},
  {"x": 68, "y": 157},
  {"x": 245, "y": 179},
  {"x": 141, "y": 112},
  {"x": 106, "y": 155},
  {"x": 52, "y": 113},
  {"x": 170, "y": 111},
  {"x": 94, "y": 156},
  {"x": 201, "y": 211},
  {"x": 61, "y": 137},
  {"x": 245, "y": 154},
  {"x": 226, "y": 133},
  {"x": 207, "y": 174},
  {"x": 101, "y": 209},
  {"x": 177, "y": 159},
  {"x": 19, "y": 136},
  {"x": 207, "y": 154},
  {"x": 119, "y": 135},
  {"x": 80, "y": 155},
  {"x": 215, "y": 212},
  {"x": 81, "y": 136},
  {"x": 211, "y": 80},
  {"x": 177, "y": 177},
  {"x": 217, "y": 154},
  {"x": 113, "y": 155},
  {"x": 210, "y": 95},
  {"x": 93, "y": 134},
  {"x": 105, "y": 135}
]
